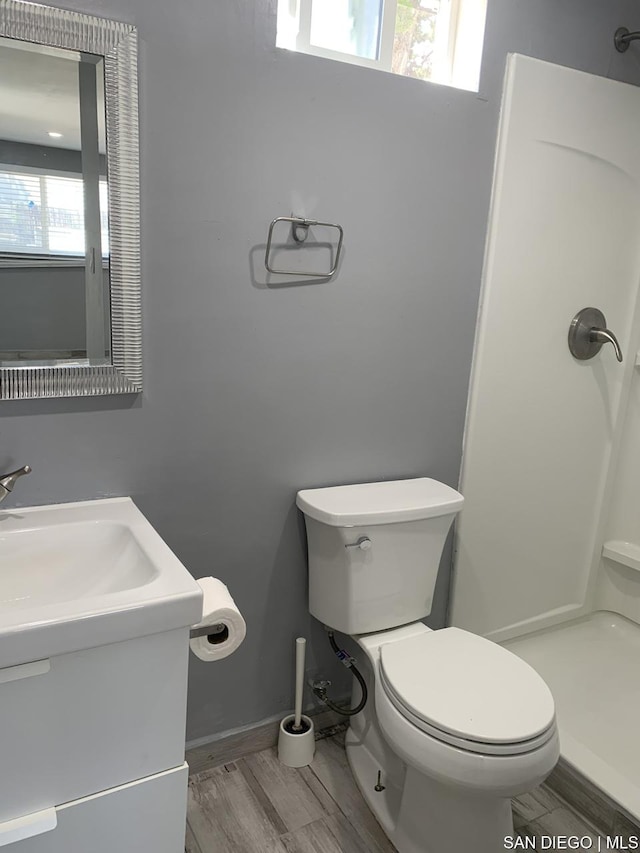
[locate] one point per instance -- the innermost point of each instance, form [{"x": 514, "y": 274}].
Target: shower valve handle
[
  {"x": 604, "y": 336},
  {"x": 588, "y": 332}
]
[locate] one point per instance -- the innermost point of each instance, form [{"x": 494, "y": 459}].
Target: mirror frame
[{"x": 117, "y": 43}]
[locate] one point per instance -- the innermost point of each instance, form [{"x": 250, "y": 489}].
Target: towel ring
[{"x": 299, "y": 232}]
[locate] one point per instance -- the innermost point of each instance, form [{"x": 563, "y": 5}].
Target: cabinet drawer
[
  {"x": 87, "y": 721},
  {"x": 147, "y": 816}
]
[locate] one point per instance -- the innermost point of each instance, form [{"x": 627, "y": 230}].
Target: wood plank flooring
[
  {"x": 541, "y": 812},
  {"x": 257, "y": 805}
]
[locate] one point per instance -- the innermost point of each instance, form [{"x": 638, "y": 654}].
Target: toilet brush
[
  {"x": 296, "y": 740},
  {"x": 301, "y": 645}
]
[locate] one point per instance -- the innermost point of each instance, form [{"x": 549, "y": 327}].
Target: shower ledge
[{"x": 625, "y": 553}]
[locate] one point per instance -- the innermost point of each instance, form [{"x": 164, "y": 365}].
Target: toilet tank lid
[{"x": 388, "y": 502}]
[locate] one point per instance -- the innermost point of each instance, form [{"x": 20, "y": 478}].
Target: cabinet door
[
  {"x": 147, "y": 816},
  {"x": 87, "y": 721}
]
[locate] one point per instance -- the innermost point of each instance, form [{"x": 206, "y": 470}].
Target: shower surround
[{"x": 548, "y": 546}]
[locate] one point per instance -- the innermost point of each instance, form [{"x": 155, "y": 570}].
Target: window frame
[
  {"x": 447, "y": 24},
  {"x": 385, "y": 48}
]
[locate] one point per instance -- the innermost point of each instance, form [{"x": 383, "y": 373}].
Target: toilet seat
[
  {"x": 498, "y": 775},
  {"x": 466, "y": 691}
]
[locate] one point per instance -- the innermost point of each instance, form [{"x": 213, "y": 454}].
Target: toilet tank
[{"x": 374, "y": 551}]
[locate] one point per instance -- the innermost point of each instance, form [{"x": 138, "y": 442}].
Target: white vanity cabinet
[
  {"x": 84, "y": 722},
  {"x": 94, "y": 645},
  {"x": 147, "y": 816},
  {"x": 93, "y": 743}
]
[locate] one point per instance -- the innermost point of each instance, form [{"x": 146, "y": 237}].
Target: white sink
[{"x": 74, "y": 576}]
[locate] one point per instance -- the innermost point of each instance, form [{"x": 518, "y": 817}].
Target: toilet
[{"x": 454, "y": 725}]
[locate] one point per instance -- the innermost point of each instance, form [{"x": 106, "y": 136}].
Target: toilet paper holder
[{"x": 219, "y": 630}]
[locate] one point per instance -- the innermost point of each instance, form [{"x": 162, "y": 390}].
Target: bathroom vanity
[{"x": 94, "y": 635}]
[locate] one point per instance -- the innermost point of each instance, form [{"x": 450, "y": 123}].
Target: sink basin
[
  {"x": 75, "y": 576},
  {"x": 68, "y": 562}
]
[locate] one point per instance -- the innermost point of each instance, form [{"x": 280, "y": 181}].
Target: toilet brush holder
[
  {"x": 296, "y": 748},
  {"x": 296, "y": 741}
]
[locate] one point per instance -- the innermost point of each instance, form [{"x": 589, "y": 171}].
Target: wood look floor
[{"x": 257, "y": 805}]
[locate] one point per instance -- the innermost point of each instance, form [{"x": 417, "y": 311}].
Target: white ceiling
[{"x": 39, "y": 93}]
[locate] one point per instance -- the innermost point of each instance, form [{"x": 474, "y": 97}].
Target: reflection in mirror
[{"x": 54, "y": 237}]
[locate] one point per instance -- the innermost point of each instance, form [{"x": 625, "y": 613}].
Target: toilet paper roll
[{"x": 222, "y": 617}]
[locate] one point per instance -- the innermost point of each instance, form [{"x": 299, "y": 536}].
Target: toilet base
[
  {"x": 421, "y": 815},
  {"x": 385, "y": 804}
]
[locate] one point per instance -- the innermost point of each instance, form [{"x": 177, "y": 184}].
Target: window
[
  {"x": 437, "y": 40},
  {"x": 42, "y": 214}
]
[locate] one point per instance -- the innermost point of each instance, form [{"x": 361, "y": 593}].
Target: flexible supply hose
[{"x": 348, "y": 661}]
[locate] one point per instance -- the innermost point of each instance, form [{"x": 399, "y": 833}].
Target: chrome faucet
[{"x": 8, "y": 481}]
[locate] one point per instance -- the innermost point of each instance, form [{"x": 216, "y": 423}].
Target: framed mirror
[{"x": 70, "y": 308}]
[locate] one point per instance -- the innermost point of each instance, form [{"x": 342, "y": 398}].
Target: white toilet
[{"x": 455, "y": 725}]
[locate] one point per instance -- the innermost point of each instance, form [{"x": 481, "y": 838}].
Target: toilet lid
[{"x": 468, "y": 686}]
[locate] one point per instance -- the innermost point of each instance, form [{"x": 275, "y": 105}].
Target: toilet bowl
[
  {"x": 455, "y": 725},
  {"x": 448, "y": 790}
]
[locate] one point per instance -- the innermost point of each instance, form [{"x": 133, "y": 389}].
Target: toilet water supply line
[{"x": 320, "y": 687}]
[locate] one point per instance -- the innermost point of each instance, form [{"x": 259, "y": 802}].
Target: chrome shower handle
[
  {"x": 588, "y": 332},
  {"x": 604, "y": 336}
]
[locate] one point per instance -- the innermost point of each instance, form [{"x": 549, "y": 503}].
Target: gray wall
[
  {"x": 253, "y": 392},
  {"x": 42, "y": 309}
]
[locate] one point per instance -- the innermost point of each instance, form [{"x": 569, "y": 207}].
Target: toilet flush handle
[{"x": 363, "y": 543}]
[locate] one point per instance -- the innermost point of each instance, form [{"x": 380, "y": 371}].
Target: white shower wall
[
  {"x": 543, "y": 429},
  {"x": 617, "y": 586}
]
